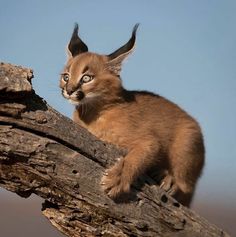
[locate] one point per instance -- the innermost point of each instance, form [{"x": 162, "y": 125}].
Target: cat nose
[{"x": 70, "y": 90}]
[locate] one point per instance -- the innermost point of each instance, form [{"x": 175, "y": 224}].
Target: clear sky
[{"x": 185, "y": 51}]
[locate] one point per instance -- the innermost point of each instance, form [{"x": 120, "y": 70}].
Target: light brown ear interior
[
  {"x": 116, "y": 58},
  {"x": 115, "y": 65}
]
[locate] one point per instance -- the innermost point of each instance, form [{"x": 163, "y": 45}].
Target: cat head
[{"x": 89, "y": 77}]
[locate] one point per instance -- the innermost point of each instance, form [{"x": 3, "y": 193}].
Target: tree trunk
[{"x": 45, "y": 153}]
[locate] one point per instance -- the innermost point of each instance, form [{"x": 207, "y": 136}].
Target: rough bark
[{"x": 45, "y": 153}]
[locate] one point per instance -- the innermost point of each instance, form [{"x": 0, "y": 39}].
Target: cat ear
[
  {"x": 116, "y": 58},
  {"x": 76, "y": 46}
]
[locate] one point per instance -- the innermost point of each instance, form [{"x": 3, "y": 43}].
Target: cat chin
[
  {"x": 88, "y": 99},
  {"x": 78, "y": 103},
  {"x": 73, "y": 102}
]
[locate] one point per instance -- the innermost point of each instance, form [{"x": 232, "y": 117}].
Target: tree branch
[{"x": 45, "y": 153}]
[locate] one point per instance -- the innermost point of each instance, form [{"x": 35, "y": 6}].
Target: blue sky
[{"x": 185, "y": 51}]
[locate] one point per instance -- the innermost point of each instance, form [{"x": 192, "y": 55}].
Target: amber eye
[
  {"x": 86, "y": 78},
  {"x": 65, "y": 77}
]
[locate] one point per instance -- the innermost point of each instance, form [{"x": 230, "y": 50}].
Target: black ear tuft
[
  {"x": 127, "y": 47},
  {"x": 76, "y": 45}
]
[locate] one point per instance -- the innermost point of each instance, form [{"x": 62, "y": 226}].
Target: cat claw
[{"x": 168, "y": 184}]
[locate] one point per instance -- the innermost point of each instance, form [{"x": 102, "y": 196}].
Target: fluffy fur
[{"x": 159, "y": 136}]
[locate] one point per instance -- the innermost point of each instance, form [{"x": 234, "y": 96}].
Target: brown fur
[{"x": 159, "y": 136}]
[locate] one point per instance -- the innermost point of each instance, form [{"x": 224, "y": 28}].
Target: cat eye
[
  {"x": 65, "y": 77},
  {"x": 86, "y": 78}
]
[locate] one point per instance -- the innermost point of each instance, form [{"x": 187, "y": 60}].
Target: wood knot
[
  {"x": 41, "y": 119},
  {"x": 143, "y": 226},
  {"x": 164, "y": 198}
]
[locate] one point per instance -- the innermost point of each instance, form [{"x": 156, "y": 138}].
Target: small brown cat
[{"x": 158, "y": 135}]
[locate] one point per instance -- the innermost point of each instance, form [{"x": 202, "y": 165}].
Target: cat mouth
[
  {"x": 78, "y": 97},
  {"x": 74, "y": 98}
]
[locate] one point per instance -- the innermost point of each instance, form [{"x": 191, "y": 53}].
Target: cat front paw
[{"x": 115, "y": 181}]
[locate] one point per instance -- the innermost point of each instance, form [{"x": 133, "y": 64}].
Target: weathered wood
[{"x": 45, "y": 153}]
